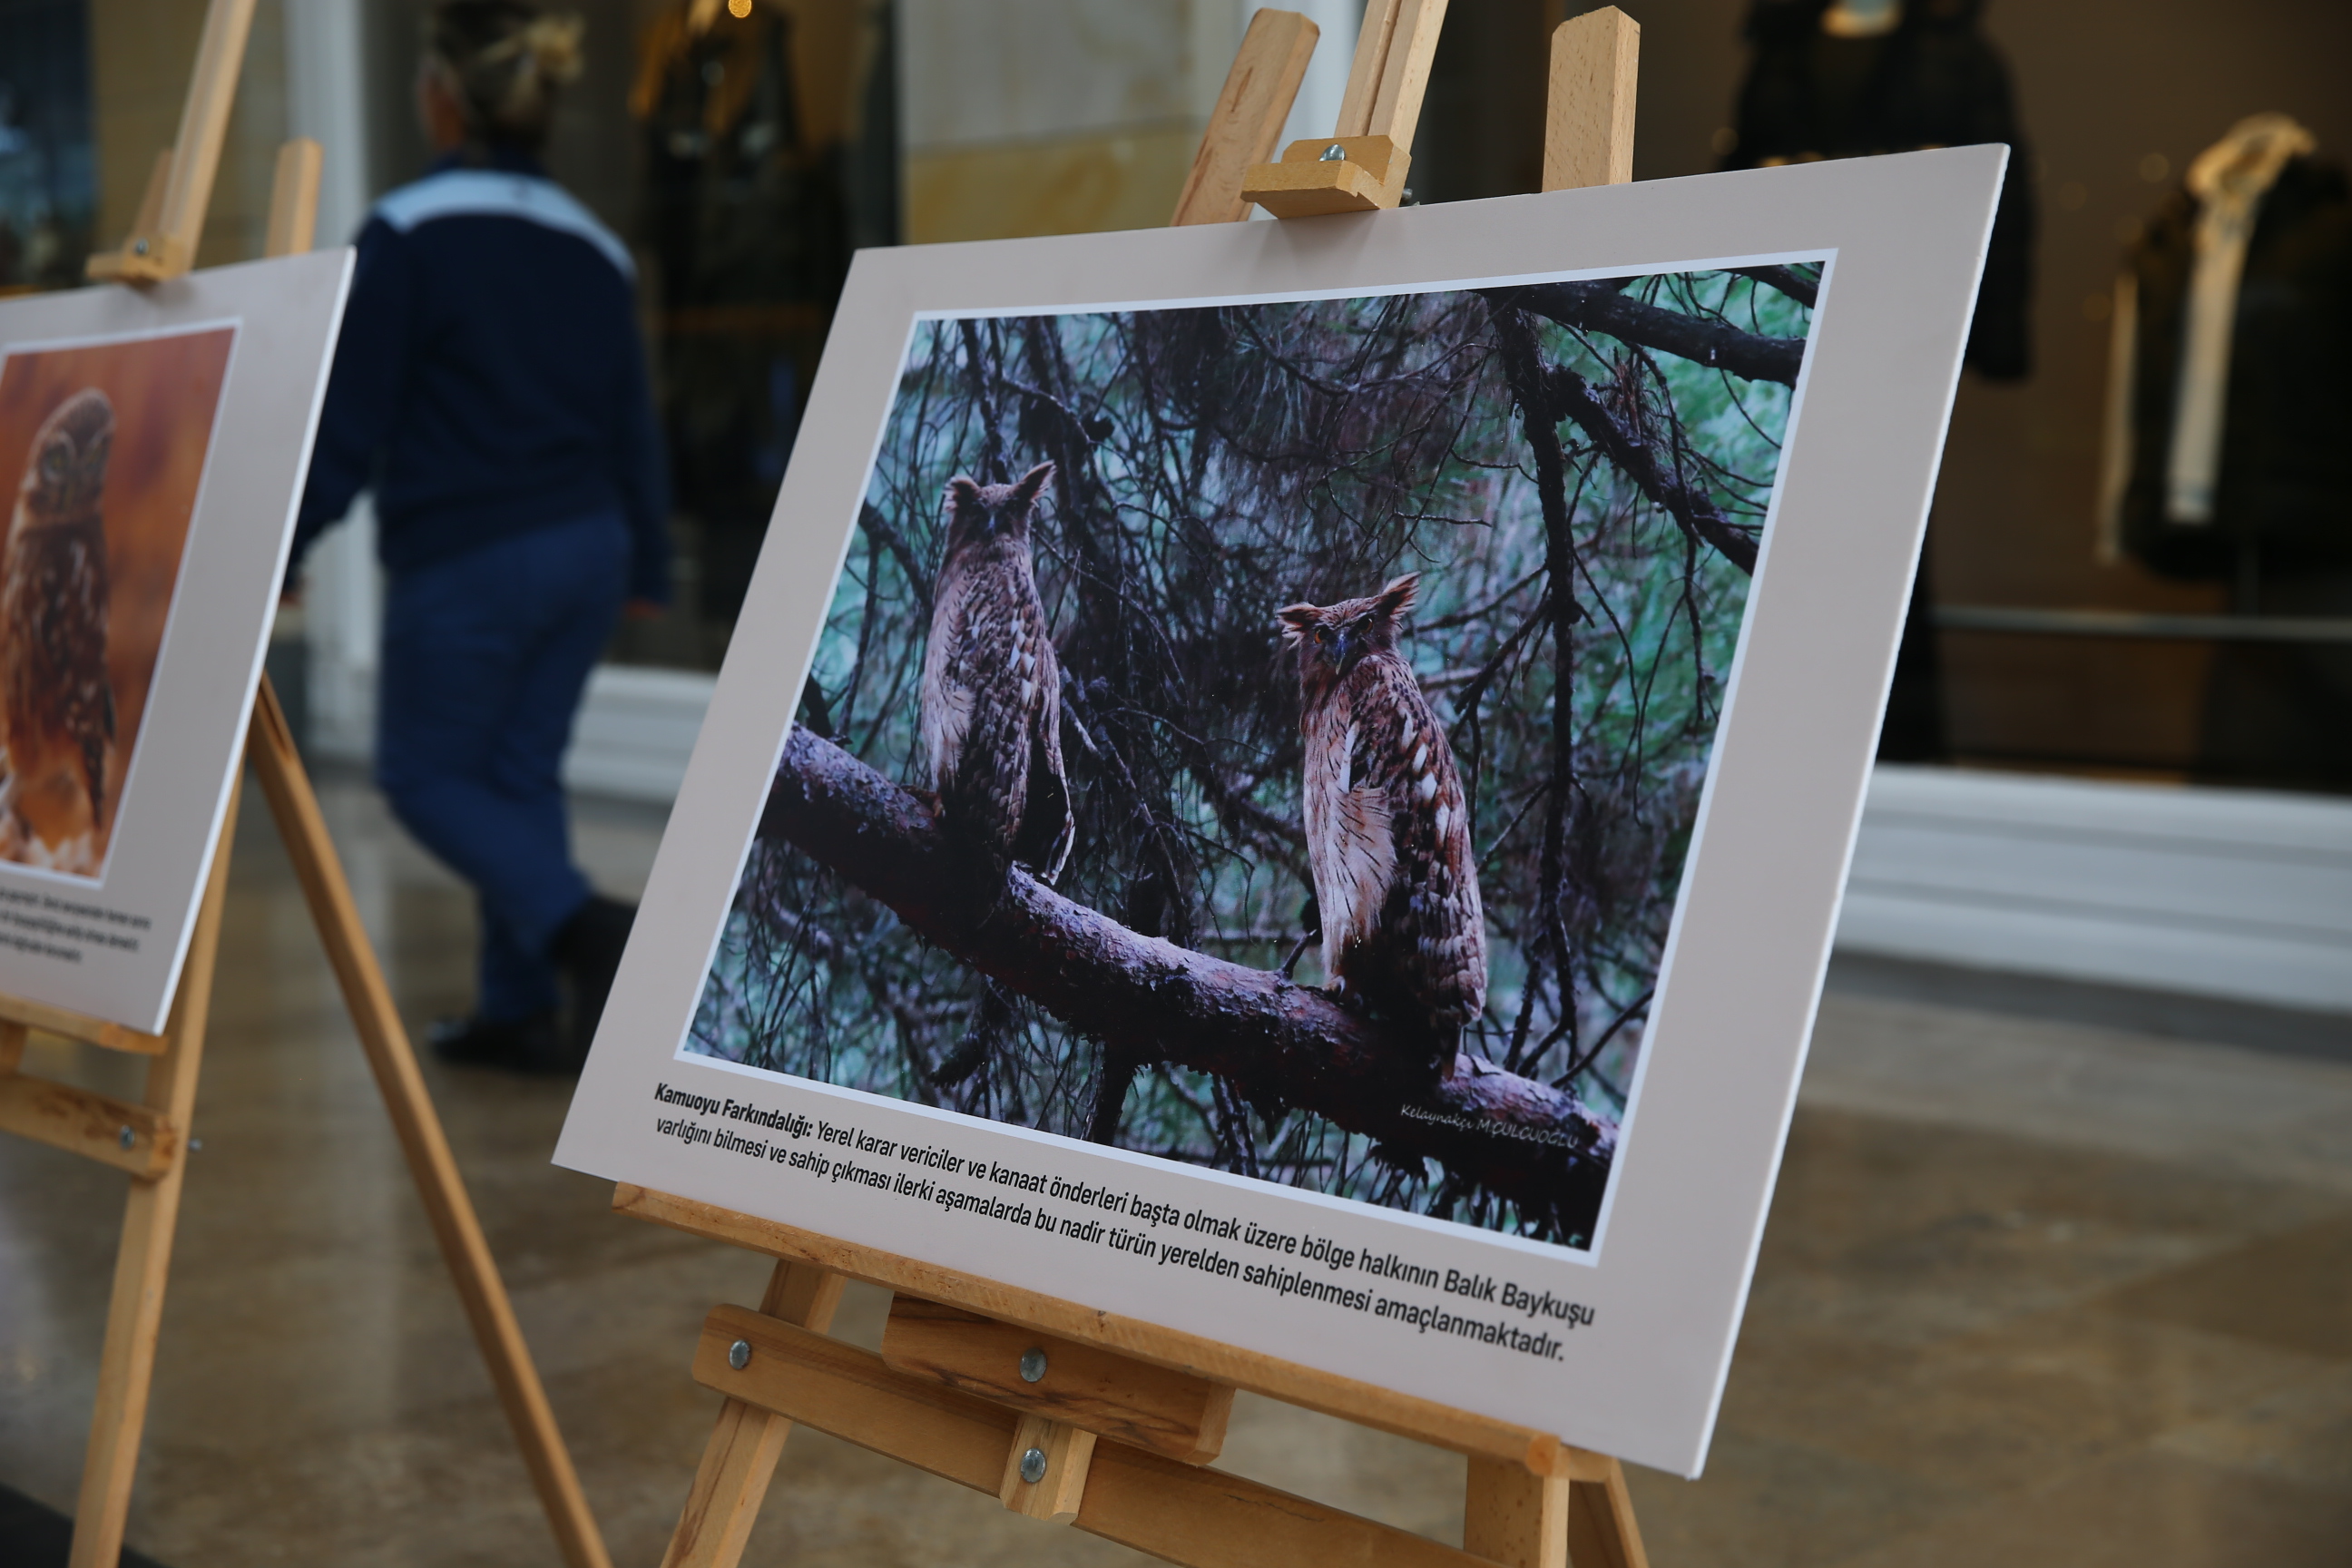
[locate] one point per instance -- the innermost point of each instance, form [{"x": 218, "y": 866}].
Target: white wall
[
  {"x": 2244, "y": 894},
  {"x": 327, "y": 101},
  {"x": 974, "y": 75}
]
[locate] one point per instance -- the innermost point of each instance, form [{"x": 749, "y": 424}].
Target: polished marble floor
[{"x": 2048, "y": 1289}]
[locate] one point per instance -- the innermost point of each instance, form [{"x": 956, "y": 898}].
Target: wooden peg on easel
[
  {"x": 1596, "y": 64},
  {"x": 1256, "y": 100},
  {"x": 1361, "y": 165},
  {"x": 164, "y": 246},
  {"x": 294, "y": 198}
]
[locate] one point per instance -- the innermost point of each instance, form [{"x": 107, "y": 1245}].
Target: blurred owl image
[
  {"x": 990, "y": 733},
  {"x": 57, "y": 699},
  {"x": 1388, "y": 839}
]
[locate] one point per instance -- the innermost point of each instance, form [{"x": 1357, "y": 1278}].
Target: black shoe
[
  {"x": 531, "y": 1045},
  {"x": 588, "y": 950}
]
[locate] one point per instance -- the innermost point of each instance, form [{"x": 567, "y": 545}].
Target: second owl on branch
[{"x": 1387, "y": 830}]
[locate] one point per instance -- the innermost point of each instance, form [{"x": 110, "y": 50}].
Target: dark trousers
[{"x": 486, "y": 656}]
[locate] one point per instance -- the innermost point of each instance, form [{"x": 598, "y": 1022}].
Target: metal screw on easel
[
  {"x": 1334, "y": 153},
  {"x": 127, "y": 1138},
  {"x": 1032, "y": 1466},
  {"x": 739, "y": 1354},
  {"x": 1033, "y": 1365},
  {"x": 138, "y": 247}
]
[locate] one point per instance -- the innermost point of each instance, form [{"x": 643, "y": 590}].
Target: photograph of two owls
[{"x": 1279, "y": 730}]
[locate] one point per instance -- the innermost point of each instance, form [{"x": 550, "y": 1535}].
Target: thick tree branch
[
  {"x": 1804, "y": 291},
  {"x": 1598, "y": 307},
  {"x": 1571, "y": 397},
  {"x": 1155, "y": 1001}
]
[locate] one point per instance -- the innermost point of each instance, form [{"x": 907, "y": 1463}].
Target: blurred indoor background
[
  {"x": 2099, "y": 933},
  {"x": 748, "y": 162}
]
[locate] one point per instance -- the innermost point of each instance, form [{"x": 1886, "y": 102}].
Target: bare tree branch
[
  {"x": 1274, "y": 1042},
  {"x": 878, "y": 527},
  {"x": 1571, "y": 397},
  {"x": 1598, "y": 307},
  {"x": 1804, "y": 291}
]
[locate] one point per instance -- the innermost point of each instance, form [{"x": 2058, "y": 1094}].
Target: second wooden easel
[
  {"x": 1073, "y": 1415},
  {"x": 149, "y": 1139}
]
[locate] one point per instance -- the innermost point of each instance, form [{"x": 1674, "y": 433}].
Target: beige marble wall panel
[
  {"x": 1073, "y": 185},
  {"x": 1045, "y": 69}
]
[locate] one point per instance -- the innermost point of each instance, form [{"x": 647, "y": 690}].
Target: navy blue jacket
[{"x": 489, "y": 379}]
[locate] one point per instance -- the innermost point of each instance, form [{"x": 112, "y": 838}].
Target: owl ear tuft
[
  {"x": 1391, "y": 602},
  {"x": 962, "y": 492},
  {"x": 1297, "y": 621},
  {"x": 1025, "y": 488}
]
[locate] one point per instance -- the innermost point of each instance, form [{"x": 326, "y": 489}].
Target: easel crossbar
[
  {"x": 68, "y": 1026},
  {"x": 1172, "y": 1414},
  {"x": 1441, "y": 1426},
  {"x": 1185, "y": 1513},
  {"x": 135, "y": 1137}
]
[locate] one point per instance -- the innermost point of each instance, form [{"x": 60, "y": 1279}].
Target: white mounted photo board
[
  {"x": 153, "y": 447},
  {"x": 1293, "y": 781}
]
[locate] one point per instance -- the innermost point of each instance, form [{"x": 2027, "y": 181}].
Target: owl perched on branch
[
  {"x": 1387, "y": 836},
  {"x": 992, "y": 698},
  {"x": 59, "y": 703}
]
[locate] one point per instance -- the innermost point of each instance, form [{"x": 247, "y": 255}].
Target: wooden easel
[
  {"x": 149, "y": 1139},
  {"x": 1073, "y": 1415}
]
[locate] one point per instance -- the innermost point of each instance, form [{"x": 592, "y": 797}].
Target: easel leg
[
  {"x": 740, "y": 1458},
  {"x": 1514, "y": 1518},
  {"x": 126, "y": 1367},
  {"x": 1522, "y": 1520},
  {"x": 270, "y": 747},
  {"x": 1602, "y": 1532}
]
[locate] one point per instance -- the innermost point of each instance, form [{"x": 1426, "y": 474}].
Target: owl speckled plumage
[
  {"x": 1387, "y": 836},
  {"x": 58, "y": 700},
  {"x": 992, "y": 698}
]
